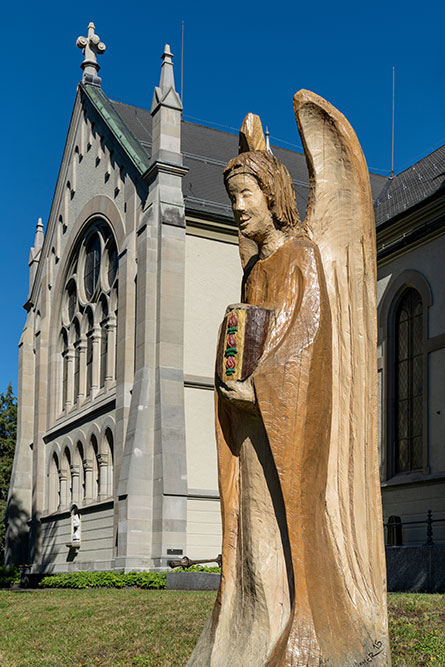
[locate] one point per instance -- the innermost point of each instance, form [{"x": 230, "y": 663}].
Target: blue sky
[{"x": 239, "y": 57}]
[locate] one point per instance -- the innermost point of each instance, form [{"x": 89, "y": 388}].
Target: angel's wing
[{"x": 340, "y": 216}]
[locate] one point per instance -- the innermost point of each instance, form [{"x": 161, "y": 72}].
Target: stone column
[
  {"x": 82, "y": 347},
  {"x": 70, "y": 358},
  {"x": 110, "y": 485},
  {"x": 102, "y": 461},
  {"x": 75, "y": 481},
  {"x": 110, "y": 329},
  {"x": 88, "y": 472},
  {"x": 95, "y": 374},
  {"x": 63, "y": 489}
]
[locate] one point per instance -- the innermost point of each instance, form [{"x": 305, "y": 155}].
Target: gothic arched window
[
  {"x": 88, "y": 322},
  {"x": 67, "y": 482},
  {"x": 108, "y": 451},
  {"x": 54, "y": 484},
  {"x": 103, "y": 340},
  {"x": 92, "y": 264},
  {"x": 64, "y": 367},
  {"x": 408, "y": 383},
  {"x": 76, "y": 359},
  {"x": 79, "y": 459},
  {"x": 89, "y": 359}
]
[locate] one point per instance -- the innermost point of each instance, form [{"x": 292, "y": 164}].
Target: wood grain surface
[{"x": 303, "y": 577}]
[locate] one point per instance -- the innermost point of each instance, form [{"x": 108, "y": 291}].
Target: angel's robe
[{"x": 272, "y": 475}]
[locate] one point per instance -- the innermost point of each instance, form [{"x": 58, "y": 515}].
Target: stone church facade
[
  {"x": 410, "y": 223},
  {"x": 115, "y": 462}
]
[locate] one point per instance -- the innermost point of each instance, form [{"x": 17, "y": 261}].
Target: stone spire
[
  {"x": 167, "y": 78},
  {"x": 38, "y": 239},
  {"x": 91, "y": 46},
  {"x": 157, "y": 433},
  {"x": 34, "y": 253},
  {"x": 165, "y": 93}
]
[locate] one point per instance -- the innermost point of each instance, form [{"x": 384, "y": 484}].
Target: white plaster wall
[
  {"x": 437, "y": 411},
  {"x": 428, "y": 259},
  {"x": 382, "y": 284},
  {"x": 96, "y": 551},
  {"x": 411, "y": 502},
  {"x": 202, "y": 470},
  {"x": 212, "y": 282},
  {"x": 203, "y": 529}
]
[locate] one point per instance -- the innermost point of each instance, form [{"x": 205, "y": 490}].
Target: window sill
[
  {"x": 84, "y": 508},
  {"x": 98, "y": 403},
  {"x": 412, "y": 478}
]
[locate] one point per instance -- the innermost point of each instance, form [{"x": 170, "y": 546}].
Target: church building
[{"x": 115, "y": 463}]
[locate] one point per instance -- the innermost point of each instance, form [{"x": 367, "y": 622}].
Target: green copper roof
[{"x": 124, "y": 136}]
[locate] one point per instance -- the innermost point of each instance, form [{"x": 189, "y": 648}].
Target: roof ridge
[
  {"x": 208, "y": 127},
  {"x": 418, "y": 161},
  {"x": 129, "y": 143}
]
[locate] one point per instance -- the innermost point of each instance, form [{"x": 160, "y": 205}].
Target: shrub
[
  {"x": 9, "y": 575},
  {"x": 105, "y": 580},
  {"x": 119, "y": 579},
  {"x": 198, "y": 568}
]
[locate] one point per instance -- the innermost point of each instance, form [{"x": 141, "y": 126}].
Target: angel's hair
[{"x": 275, "y": 182}]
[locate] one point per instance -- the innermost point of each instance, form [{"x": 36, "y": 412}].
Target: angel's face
[{"x": 250, "y": 208}]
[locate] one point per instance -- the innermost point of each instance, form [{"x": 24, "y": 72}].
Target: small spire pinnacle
[
  {"x": 38, "y": 240},
  {"x": 167, "y": 78},
  {"x": 165, "y": 93},
  {"x": 91, "y": 47},
  {"x": 34, "y": 253},
  {"x": 267, "y": 135}
]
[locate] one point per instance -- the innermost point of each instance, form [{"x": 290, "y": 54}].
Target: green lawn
[
  {"x": 159, "y": 628},
  {"x": 417, "y": 629}
]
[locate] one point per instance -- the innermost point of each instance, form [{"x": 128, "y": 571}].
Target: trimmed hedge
[
  {"x": 105, "y": 580},
  {"x": 155, "y": 580},
  {"x": 198, "y": 568}
]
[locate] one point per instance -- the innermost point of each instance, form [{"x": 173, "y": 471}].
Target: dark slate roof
[
  {"x": 412, "y": 186},
  {"x": 206, "y": 152}
]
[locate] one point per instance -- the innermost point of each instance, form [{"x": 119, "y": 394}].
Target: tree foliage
[{"x": 8, "y": 434}]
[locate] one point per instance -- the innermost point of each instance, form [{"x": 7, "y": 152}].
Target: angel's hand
[
  {"x": 234, "y": 306},
  {"x": 239, "y": 393}
]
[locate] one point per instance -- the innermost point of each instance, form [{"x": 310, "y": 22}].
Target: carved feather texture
[{"x": 341, "y": 218}]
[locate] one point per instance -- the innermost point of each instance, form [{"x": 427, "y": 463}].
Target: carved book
[{"x": 241, "y": 341}]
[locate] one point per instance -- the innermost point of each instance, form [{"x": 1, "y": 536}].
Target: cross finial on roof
[{"x": 91, "y": 46}]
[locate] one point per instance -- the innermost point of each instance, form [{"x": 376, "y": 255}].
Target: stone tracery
[{"x": 88, "y": 317}]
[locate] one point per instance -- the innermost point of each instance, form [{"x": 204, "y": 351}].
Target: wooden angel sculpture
[{"x": 303, "y": 576}]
